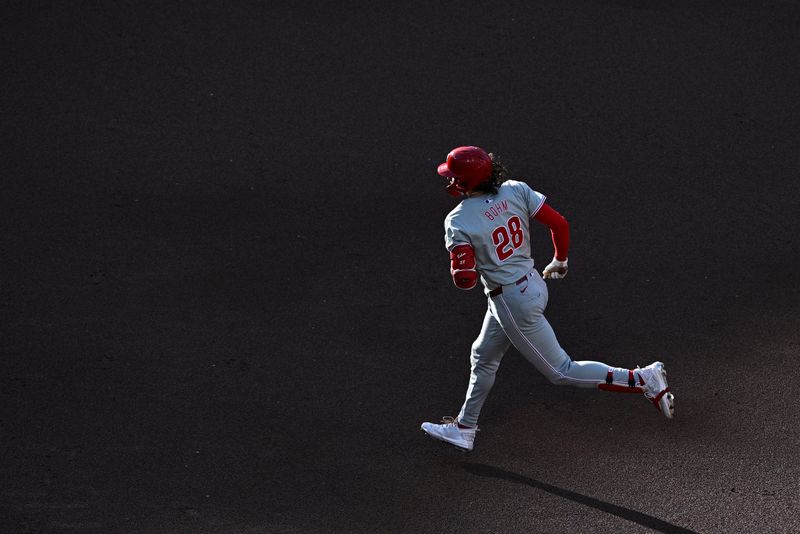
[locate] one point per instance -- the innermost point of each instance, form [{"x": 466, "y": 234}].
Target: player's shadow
[{"x": 625, "y": 513}]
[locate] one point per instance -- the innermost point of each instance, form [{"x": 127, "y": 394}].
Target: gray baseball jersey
[{"x": 498, "y": 228}]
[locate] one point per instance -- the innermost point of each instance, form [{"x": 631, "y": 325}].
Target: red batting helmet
[{"x": 466, "y": 167}]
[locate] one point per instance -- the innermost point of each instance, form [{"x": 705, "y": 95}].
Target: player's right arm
[
  {"x": 462, "y": 266},
  {"x": 559, "y": 229}
]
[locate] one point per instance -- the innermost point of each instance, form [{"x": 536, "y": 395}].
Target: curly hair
[{"x": 499, "y": 175}]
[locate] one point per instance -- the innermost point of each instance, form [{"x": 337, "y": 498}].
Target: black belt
[{"x": 498, "y": 290}]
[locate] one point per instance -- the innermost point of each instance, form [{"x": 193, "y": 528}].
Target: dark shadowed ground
[{"x": 225, "y": 304}]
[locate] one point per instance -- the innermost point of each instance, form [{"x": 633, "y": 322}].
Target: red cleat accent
[{"x": 620, "y": 389}]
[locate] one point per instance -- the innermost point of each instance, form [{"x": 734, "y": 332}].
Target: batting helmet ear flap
[{"x": 466, "y": 167}]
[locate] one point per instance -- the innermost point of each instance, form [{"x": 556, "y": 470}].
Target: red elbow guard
[{"x": 462, "y": 267}]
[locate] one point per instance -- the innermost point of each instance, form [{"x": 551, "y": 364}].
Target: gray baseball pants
[{"x": 516, "y": 316}]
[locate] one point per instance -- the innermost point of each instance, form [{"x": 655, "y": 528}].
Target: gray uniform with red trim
[{"x": 498, "y": 229}]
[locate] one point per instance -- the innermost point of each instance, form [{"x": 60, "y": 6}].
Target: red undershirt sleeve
[{"x": 559, "y": 229}]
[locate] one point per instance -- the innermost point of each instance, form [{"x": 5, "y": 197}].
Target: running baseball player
[{"x": 488, "y": 237}]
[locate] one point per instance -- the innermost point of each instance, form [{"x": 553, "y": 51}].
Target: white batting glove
[{"x": 555, "y": 269}]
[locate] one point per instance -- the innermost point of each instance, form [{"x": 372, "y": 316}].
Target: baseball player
[{"x": 488, "y": 237}]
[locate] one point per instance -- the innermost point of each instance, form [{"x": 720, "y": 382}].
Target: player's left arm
[{"x": 559, "y": 230}]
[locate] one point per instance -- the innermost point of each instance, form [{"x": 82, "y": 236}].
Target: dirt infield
[{"x": 225, "y": 304}]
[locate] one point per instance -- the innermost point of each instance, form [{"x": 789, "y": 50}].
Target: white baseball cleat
[
  {"x": 653, "y": 380},
  {"x": 463, "y": 438}
]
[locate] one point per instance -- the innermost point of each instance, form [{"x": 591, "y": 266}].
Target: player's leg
[
  {"x": 485, "y": 357},
  {"x": 519, "y": 309},
  {"x": 487, "y": 352},
  {"x": 541, "y": 347}
]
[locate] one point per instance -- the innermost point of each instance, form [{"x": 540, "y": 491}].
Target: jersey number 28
[{"x": 508, "y": 238}]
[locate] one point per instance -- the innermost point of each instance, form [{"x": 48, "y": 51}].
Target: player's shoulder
[
  {"x": 454, "y": 213},
  {"x": 515, "y": 185},
  {"x": 516, "y": 188},
  {"x": 520, "y": 186},
  {"x": 523, "y": 193}
]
